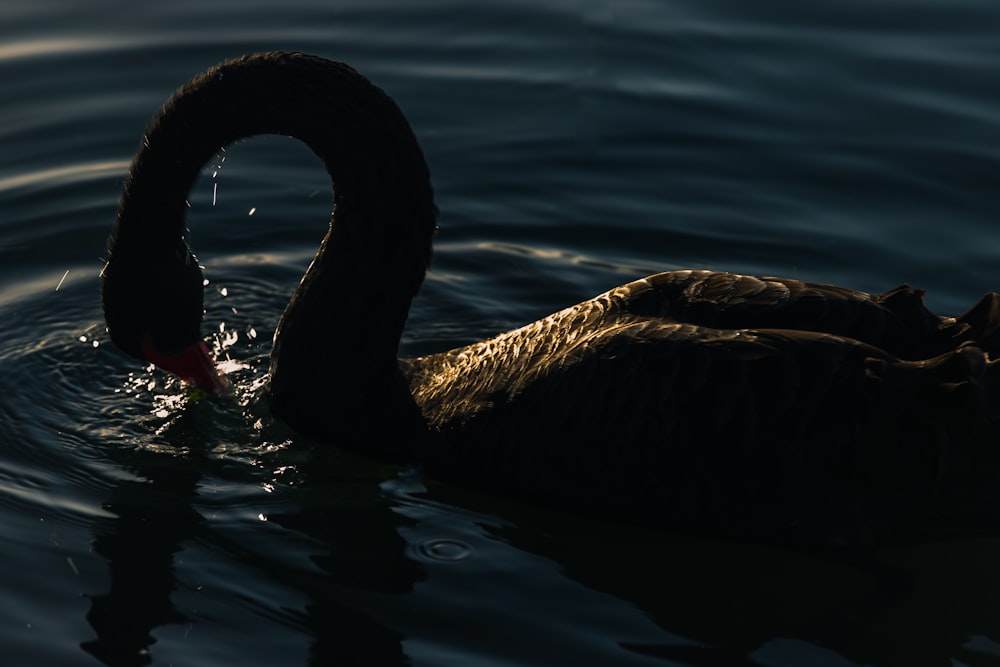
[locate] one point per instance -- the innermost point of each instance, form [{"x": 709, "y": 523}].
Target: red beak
[{"x": 193, "y": 365}]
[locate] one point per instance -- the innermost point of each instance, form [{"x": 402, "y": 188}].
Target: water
[{"x": 574, "y": 146}]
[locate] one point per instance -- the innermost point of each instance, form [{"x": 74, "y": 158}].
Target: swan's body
[{"x": 704, "y": 398}]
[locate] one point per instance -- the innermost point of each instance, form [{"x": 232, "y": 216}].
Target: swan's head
[{"x": 153, "y": 307}]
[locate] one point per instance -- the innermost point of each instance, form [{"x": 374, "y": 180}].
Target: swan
[{"x": 741, "y": 404}]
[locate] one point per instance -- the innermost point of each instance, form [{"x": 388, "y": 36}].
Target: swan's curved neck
[
  {"x": 347, "y": 315},
  {"x": 356, "y": 130}
]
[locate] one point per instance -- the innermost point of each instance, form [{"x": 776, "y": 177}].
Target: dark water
[{"x": 574, "y": 146}]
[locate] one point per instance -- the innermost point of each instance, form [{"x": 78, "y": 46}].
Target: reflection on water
[
  {"x": 62, "y": 175},
  {"x": 155, "y": 517},
  {"x": 75, "y": 46}
]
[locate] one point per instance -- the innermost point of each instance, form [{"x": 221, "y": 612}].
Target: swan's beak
[{"x": 193, "y": 365}]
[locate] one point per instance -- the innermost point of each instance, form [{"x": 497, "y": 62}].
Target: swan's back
[{"x": 674, "y": 314}]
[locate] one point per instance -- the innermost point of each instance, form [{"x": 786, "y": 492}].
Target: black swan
[{"x": 741, "y": 404}]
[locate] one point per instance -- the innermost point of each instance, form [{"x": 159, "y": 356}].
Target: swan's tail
[
  {"x": 984, "y": 319},
  {"x": 956, "y": 419}
]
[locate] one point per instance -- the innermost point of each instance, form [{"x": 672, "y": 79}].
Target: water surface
[{"x": 574, "y": 146}]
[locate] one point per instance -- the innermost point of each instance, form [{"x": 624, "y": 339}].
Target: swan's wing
[
  {"x": 635, "y": 378},
  {"x": 895, "y": 321},
  {"x": 691, "y": 319}
]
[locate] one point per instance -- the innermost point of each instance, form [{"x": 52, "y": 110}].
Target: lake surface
[{"x": 574, "y": 146}]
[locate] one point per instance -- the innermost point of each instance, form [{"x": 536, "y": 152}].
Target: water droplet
[{"x": 223, "y": 291}]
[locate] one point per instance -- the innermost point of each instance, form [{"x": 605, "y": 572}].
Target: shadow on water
[
  {"x": 753, "y": 604},
  {"x": 153, "y": 518},
  {"x": 159, "y": 513}
]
